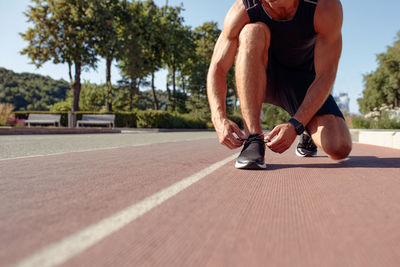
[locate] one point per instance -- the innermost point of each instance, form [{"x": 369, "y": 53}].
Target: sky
[{"x": 369, "y": 26}]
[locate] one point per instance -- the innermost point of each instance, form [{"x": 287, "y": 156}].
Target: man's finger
[
  {"x": 273, "y": 133},
  {"x": 279, "y": 144},
  {"x": 276, "y": 141},
  {"x": 234, "y": 141},
  {"x": 276, "y": 144},
  {"x": 275, "y": 148},
  {"x": 228, "y": 144},
  {"x": 231, "y": 141},
  {"x": 279, "y": 149},
  {"x": 238, "y": 132}
]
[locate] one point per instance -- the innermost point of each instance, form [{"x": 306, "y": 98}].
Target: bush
[
  {"x": 382, "y": 123},
  {"x": 137, "y": 118},
  {"x": 377, "y": 119},
  {"x": 237, "y": 118},
  {"x": 386, "y": 123},
  {"x": 383, "y": 117},
  {"x": 63, "y": 106},
  {"x": 188, "y": 121},
  {"x": 5, "y": 113},
  {"x": 153, "y": 119},
  {"x": 126, "y": 119},
  {"x": 360, "y": 123},
  {"x": 164, "y": 119}
]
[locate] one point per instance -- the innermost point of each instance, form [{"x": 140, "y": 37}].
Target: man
[{"x": 287, "y": 53}]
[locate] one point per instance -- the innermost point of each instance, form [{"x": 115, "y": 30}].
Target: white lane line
[
  {"x": 61, "y": 153},
  {"x": 99, "y": 149},
  {"x": 59, "y": 252}
]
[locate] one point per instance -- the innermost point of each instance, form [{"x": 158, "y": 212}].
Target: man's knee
[
  {"x": 333, "y": 135},
  {"x": 255, "y": 37},
  {"x": 338, "y": 149}
]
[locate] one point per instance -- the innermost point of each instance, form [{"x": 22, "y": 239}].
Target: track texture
[{"x": 299, "y": 212}]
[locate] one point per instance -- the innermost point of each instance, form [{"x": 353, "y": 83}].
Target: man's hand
[
  {"x": 225, "y": 129},
  {"x": 285, "y": 135},
  {"x": 224, "y": 54}
]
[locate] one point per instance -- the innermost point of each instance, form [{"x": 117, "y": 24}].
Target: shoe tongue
[
  {"x": 308, "y": 142},
  {"x": 254, "y": 137}
]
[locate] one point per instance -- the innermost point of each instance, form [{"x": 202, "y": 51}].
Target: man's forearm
[
  {"x": 216, "y": 91},
  {"x": 316, "y": 96}
]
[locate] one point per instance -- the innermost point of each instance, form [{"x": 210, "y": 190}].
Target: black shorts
[{"x": 287, "y": 88}]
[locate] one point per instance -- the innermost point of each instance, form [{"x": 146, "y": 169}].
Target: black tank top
[{"x": 292, "y": 41}]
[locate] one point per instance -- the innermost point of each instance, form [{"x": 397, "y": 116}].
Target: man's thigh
[{"x": 331, "y": 133}]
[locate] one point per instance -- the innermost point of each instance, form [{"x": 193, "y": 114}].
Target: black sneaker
[
  {"x": 252, "y": 155},
  {"x": 306, "y": 147}
]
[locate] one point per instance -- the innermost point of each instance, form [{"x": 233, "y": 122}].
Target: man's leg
[
  {"x": 331, "y": 134},
  {"x": 251, "y": 81},
  {"x": 250, "y": 73}
]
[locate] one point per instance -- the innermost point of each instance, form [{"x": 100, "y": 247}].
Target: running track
[{"x": 184, "y": 204}]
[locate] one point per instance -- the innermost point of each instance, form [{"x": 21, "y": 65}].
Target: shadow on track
[{"x": 351, "y": 162}]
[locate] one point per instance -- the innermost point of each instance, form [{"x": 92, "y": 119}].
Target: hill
[{"x": 28, "y": 91}]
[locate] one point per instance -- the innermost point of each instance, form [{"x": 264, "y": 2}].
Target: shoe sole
[
  {"x": 305, "y": 155},
  {"x": 250, "y": 166}
]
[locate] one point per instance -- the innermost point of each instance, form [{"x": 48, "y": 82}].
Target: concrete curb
[{"x": 385, "y": 138}]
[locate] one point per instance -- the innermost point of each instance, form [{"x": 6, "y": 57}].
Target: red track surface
[{"x": 299, "y": 212}]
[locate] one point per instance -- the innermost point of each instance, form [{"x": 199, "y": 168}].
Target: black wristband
[{"x": 298, "y": 126}]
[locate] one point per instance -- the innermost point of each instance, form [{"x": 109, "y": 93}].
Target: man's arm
[
  {"x": 328, "y": 23},
  {"x": 223, "y": 57},
  {"x": 328, "y": 48}
]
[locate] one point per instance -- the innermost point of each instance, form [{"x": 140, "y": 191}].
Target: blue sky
[{"x": 369, "y": 27}]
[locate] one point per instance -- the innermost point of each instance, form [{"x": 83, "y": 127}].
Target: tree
[
  {"x": 133, "y": 43},
  {"x": 155, "y": 39},
  {"x": 107, "y": 14},
  {"x": 91, "y": 99},
  {"x": 63, "y": 32},
  {"x": 205, "y": 37},
  {"x": 383, "y": 85},
  {"x": 178, "y": 42}
]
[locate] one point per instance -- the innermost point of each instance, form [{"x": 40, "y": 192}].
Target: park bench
[
  {"x": 97, "y": 119},
  {"x": 43, "y": 119}
]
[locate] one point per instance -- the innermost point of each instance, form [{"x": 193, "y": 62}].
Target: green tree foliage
[
  {"x": 135, "y": 40},
  {"x": 28, "y": 91},
  {"x": 156, "y": 42},
  {"x": 63, "y": 32},
  {"x": 273, "y": 116},
  {"x": 178, "y": 47},
  {"x": 205, "y": 37},
  {"x": 108, "y": 16},
  {"x": 383, "y": 85},
  {"x": 92, "y": 98},
  {"x": 141, "y": 37}
]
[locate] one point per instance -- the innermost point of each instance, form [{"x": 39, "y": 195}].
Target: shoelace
[
  {"x": 253, "y": 138},
  {"x": 307, "y": 142}
]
